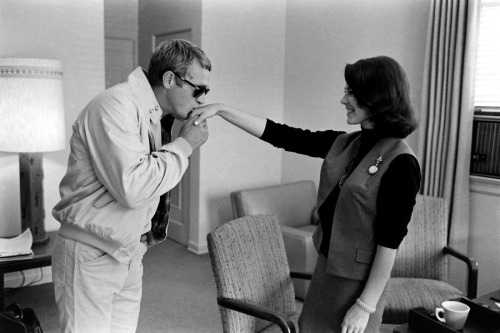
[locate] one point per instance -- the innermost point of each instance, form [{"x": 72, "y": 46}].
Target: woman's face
[{"x": 355, "y": 114}]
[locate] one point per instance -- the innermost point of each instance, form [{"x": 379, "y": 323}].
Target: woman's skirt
[{"x": 329, "y": 298}]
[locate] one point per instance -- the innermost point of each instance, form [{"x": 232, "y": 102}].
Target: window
[
  {"x": 485, "y": 159},
  {"x": 487, "y": 85}
]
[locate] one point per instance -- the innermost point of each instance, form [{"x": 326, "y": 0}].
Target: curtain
[{"x": 445, "y": 133}]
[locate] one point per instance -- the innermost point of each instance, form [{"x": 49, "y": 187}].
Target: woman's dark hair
[{"x": 380, "y": 85}]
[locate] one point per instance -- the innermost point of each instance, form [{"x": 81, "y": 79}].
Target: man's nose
[{"x": 201, "y": 99}]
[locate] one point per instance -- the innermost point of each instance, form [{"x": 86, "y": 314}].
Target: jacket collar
[{"x": 141, "y": 89}]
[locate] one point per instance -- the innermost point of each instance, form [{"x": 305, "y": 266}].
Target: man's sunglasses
[{"x": 198, "y": 90}]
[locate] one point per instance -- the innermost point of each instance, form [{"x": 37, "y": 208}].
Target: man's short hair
[{"x": 175, "y": 55}]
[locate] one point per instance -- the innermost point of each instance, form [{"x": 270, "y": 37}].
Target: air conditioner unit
[{"x": 485, "y": 157}]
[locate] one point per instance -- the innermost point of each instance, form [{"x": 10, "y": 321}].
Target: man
[{"x": 121, "y": 161}]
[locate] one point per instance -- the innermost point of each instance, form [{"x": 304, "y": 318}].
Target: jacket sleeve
[{"x": 122, "y": 160}]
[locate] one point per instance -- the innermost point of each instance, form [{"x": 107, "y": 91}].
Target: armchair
[
  {"x": 252, "y": 277},
  {"x": 293, "y": 204},
  {"x": 420, "y": 273}
]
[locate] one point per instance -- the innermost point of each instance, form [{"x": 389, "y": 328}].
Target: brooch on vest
[{"x": 374, "y": 168}]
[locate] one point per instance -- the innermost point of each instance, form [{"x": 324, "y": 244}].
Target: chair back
[
  {"x": 292, "y": 203},
  {"x": 249, "y": 264},
  {"x": 420, "y": 255}
]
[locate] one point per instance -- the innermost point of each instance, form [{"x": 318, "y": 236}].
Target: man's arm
[{"x": 123, "y": 163}]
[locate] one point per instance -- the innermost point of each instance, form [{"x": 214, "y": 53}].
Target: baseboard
[
  {"x": 196, "y": 248},
  {"x": 31, "y": 277}
]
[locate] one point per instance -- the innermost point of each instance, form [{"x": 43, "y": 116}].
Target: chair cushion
[
  {"x": 301, "y": 254},
  {"x": 300, "y": 250},
  {"x": 308, "y": 228},
  {"x": 292, "y": 203},
  {"x": 408, "y": 293}
]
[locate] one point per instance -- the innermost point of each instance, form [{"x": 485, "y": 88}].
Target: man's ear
[{"x": 168, "y": 79}]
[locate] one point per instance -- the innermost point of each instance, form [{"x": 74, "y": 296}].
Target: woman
[{"x": 368, "y": 184}]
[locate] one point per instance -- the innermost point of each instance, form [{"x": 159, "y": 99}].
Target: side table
[
  {"x": 487, "y": 299},
  {"x": 42, "y": 257}
]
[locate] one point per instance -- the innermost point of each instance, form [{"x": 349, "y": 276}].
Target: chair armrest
[
  {"x": 472, "y": 270},
  {"x": 280, "y": 319},
  {"x": 300, "y": 250},
  {"x": 295, "y": 232},
  {"x": 301, "y": 275}
]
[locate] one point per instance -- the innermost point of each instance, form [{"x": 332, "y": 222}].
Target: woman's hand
[
  {"x": 355, "y": 320},
  {"x": 205, "y": 112},
  {"x": 251, "y": 123}
]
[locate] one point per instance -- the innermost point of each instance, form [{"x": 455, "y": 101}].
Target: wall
[
  {"x": 27, "y": 29},
  {"x": 182, "y": 18},
  {"x": 281, "y": 59},
  {"x": 166, "y": 16},
  {"x": 484, "y": 231},
  {"x": 322, "y": 36},
  {"x": 121, "y": 37},
  {"x": 284, "y": 60},
  {"x": 69, "y": 31},
  {"x": 245, "y": 41}
]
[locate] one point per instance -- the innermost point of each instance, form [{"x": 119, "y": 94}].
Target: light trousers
[{"x": 94, "y": 292}]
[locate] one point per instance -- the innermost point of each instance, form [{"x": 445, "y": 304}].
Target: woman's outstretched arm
[{"x": 248, "y": 122}]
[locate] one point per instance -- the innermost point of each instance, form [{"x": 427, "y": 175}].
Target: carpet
[{"x": 178, "y": 294}]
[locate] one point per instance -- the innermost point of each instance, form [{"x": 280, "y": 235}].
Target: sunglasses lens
[{"x": 198, "y": 91}]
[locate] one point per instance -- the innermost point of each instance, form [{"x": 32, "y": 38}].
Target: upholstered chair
[
  {"x": 252, "y": 277},
  {"x": 293, "y": 204},
  {"x": 420, "y": 273}
]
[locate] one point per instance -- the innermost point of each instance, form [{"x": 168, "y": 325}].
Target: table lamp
[{"x": 31, "y": 122}]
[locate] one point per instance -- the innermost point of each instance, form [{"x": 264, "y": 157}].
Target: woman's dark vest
[{"x": 352, "y": 243}]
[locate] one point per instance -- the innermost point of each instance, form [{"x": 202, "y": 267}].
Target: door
[
  {"x": 178, "y": 228},
  {"x": 119, "y": 60},
  {"x": 122, "y": 37}
]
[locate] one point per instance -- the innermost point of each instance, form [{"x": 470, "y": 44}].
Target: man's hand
[
  {"x": 206, "y": 111},
  {"x": 196, "y": 135}
]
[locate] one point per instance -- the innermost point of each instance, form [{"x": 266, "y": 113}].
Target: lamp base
[
  {"x": 32, "y": 205},
  {"x": 40, "y": 241}
]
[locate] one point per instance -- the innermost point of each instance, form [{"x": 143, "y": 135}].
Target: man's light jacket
[{"x": 113, "y": 182}]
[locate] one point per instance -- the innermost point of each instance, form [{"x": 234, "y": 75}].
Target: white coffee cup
[{"x": 453, "y": 314}]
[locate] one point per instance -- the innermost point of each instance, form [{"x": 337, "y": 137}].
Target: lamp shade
[{"x": 31, "y": 105}]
